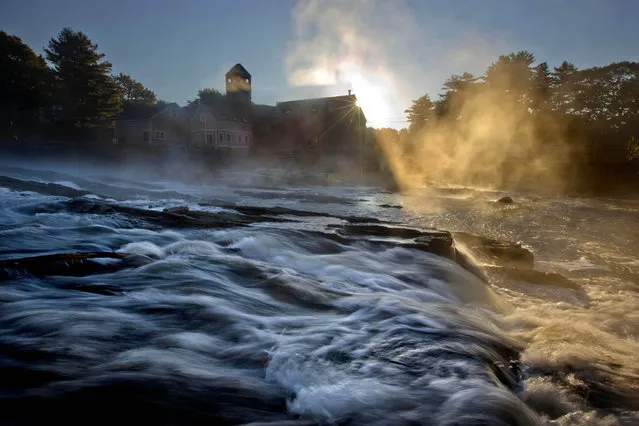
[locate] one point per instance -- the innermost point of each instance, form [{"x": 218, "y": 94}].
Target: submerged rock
[
  {"x": 64, "y": 264},
  {"x": 535, "y": 277},
  {"x": 505, "y": 200},
  {"x": 391, "y": 206},
  {"x": 496, "y": 252},
  {"x": 101, "y": 289},
  {"x": 379, "y": 231},
  {"x": 176, "y": 210}
]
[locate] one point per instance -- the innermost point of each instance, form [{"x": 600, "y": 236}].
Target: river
[{"x": 272, "y": 322}]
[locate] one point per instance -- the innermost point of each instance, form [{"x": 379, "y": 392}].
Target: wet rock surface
[
  {"x": 496, "y": 252},
  {"x": 505, "y": 200},
  {"x": 503, "y": 258},
  {"x": 535, "y": 277},
  {"x": 65, "y": 264}
]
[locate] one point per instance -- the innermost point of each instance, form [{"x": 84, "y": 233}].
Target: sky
[{"x": 387, "y": 51}]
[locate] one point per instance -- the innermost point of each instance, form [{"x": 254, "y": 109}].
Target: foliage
[
  {"x": 209, "y": 97},
  {"x": 84, "y": 89},
  {"x": 134, "y": 92},
  {"x": 24, "y": 83},
  {"x": 633, "y": 149},
  {"x": 420, "y": 113}
]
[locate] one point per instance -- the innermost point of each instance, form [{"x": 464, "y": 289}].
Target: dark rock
[
  {"x": 505, "y": 200},
  {"x": 64, "y": 264},
  {"x": 216, "y": 202},
  {"x": 391, "y": 206},
  {"x": 302, "y": 197},
  {"x": 176, "y": 210},
  {"x": 466, "y": 262},
  {"x": 83, "y": 205},
  {"x": 102, "y": 289},
  {"x": 500, "y": 253},
  {"x": 437, "y": 242},
  {"x": 178, "y": 216},
  {"x": 379, "y": 231},
  {"x": 40, "y": 187},
  {"x": 535, "y": 277}
]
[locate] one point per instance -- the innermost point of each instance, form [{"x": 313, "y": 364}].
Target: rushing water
[{"x": 275, "y": 324}]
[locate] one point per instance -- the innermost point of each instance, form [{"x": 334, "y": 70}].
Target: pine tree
[
  {"x": 84, "y": 87},
  {"x": 24, "y": 84},
  {"x": 420, "y": 113}
]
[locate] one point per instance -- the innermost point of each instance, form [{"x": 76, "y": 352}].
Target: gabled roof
[
  {"x": 144, "y": 112},
  {"x": 238, "y": 69},
  {"x": 344, "y": 99},
  {"x": 224, "y": 112}
]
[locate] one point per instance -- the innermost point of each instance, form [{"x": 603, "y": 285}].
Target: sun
[{"x": 371, "y": 97}]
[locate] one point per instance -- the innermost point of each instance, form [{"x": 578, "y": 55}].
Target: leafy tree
[
  {"x": 209, "y": 97},
  {"x": 84, "y": 87},
  {"x": 133, "y": 92},
  {"x": 24, "y": 84},
  {"x": 420, "y": 113}
]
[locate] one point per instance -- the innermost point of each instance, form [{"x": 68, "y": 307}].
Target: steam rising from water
[
  {"x": 341, "y": 42},
  {"x": 376, "y": 47}
]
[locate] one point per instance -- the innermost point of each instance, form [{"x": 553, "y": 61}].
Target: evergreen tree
[
  {"x": 511, "y": 77},
  {"x": 456, "y": 89},
  {"x": 420, "y": 113},
  {"x": 84, "y": 87},
  {"x": 24, "y": 84},
  {"x": 540, "y": 87}
]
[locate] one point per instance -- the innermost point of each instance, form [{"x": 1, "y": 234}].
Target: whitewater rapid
[{"x": 275, "y": 324}]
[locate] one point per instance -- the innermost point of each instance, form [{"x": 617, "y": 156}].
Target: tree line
[
  {"x": 522, "y": 123},
  {"x": 71, "y": 88}
]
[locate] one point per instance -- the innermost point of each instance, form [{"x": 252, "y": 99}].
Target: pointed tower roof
[{"x": 239, "y": 69}]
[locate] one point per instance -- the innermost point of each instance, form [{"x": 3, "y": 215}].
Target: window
[
  {"x": 159, "y": 134},
  {"x": 228, "y": 137},
  {"x": 228, "y": 80},
  {"x": 203, "y": 118},
  {"x": 209, "y": 138},
  {"x": 246, "y": 80},
  {"x": 239, "y": 138},
  {"x": 175, "y": 113},
  {"x": 246, "y": 139},
  {"x": 221, "y": 137},
  {"x": 145, "y": 135}
]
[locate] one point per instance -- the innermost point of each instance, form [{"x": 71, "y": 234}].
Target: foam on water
[{"x": 259, "y": 324}]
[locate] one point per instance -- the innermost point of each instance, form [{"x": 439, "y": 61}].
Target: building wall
[
  {"x": 131, "y": 132},
  {"x": 207, "y": 131},
  {"x": 170, "y": 127}
]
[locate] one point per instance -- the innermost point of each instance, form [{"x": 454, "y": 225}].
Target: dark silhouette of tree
[
  {"x": 562, "y": 88},
  {"x": 511, "y": 77},
  {"x": 134, "y": 92},
  {"x": 455, "y": 90},
  {"x": 84, "y": 89},
  {"x": 420, "y": 113},
  {"x": 541, "y": 87},
  {"x": 209, "y": 97},
  {"x": 24, "y": 85}
]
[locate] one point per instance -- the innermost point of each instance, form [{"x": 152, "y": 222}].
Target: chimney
[{"x": 349, "y": 92}]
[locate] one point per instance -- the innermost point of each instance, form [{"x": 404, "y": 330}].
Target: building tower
[{"x": 238, "y": 86}]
